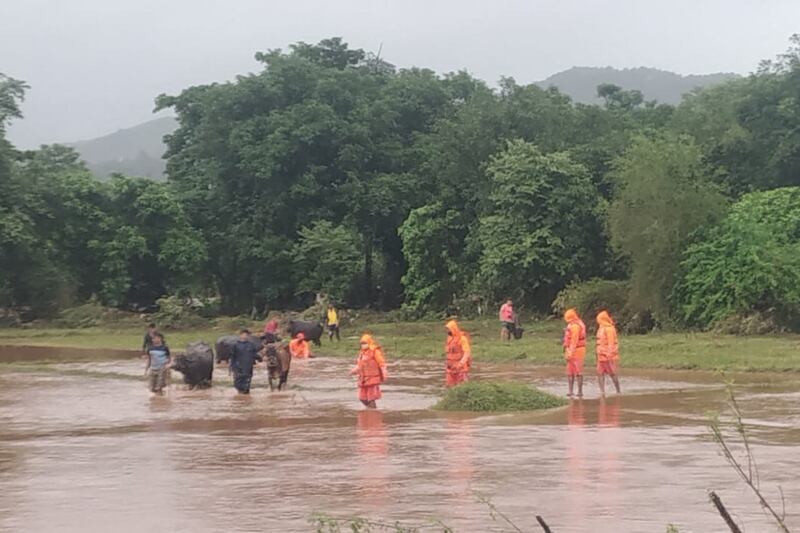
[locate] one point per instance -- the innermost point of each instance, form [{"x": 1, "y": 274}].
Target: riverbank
[{"x": 424, "y": 340}]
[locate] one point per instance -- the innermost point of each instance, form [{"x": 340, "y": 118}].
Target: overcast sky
[{"x": 94, "y": 66}]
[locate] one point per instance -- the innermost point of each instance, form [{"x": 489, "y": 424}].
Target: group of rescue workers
[{"x": 370, "y": 366}]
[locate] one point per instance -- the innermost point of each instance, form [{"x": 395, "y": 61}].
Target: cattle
[
  {"x": 311, "y": 330},
  {"x": 224, "y": 346},
  {"x": 279, "y": 360},
  {"x": 196, "y": 365}
]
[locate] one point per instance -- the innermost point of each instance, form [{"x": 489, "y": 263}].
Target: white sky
[{"x": 94, "y": 66}]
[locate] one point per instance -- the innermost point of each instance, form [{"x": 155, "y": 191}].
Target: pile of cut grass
[{"x": 483, "y": 396}]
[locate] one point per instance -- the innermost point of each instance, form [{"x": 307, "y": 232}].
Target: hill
[
  {"x": 580, "y": 83},
  {"x": 134, "y": 151}
]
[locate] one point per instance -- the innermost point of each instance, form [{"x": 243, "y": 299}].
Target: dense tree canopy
[
  {"x": 331, "y": 171},
  {"x": 749, "y": 262}
]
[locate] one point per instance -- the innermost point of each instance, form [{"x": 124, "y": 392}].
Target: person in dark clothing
[
  {"x": 148, "y": 337},
  {"x": 243, "y": 359}
]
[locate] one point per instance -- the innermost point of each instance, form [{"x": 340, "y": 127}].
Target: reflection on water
[{"x": 84, "y": 448}]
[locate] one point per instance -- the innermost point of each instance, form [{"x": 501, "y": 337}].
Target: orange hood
[
  {"x": 367, "y": 339},
  {"x": 453, "y": 328},
  {"x": 571, "y": 315},
  {"x": 604, "y": 319}
]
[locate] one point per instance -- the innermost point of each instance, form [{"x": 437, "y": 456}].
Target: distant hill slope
[
  {"x": 581, "y": 83},
  {"x": 134, "y": 151}
]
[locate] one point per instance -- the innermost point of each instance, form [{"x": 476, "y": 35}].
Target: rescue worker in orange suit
[
  {"x": 574, "y": 350},
  {"x": 607, "y": 350},
  {"x": 371, "y": 371},
  {"x": 459, "y": 355},
  {"x": 299, "y": 347}
]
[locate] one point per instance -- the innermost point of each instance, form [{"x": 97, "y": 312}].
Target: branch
[{"x": 724, "y": 512}]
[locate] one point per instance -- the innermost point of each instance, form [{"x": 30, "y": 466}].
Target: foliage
[
  {"x": 327, "y": 259},
  {"x": 174, "y": 312},
  {"x": 593, "y": 296},
  {"x": 663, "y": 196},
  {"x": 496, "y": 396},
  {"x": 432, "y": 239},
  {"x": 749, "y": 262},
  {"x": 328, "y": 524},
  {"x": 90, "y": 315},
  {"x": 534, "y": 235},
  {"x": 331, "y": 170},
  {"x": 746, "y": 467}
]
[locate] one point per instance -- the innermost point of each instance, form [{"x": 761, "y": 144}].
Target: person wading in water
[
  {"x": 243, "y": 359},
  {"x": 458, "y": 355},
  {"x": 371, "y": 371},
  {"x": 158, "y": 363},
  {"x": 574, "y": 350},
  {"x": 607, "y": 349}
]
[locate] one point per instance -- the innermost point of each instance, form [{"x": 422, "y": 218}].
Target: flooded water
[{"x": 84, "y": 448}]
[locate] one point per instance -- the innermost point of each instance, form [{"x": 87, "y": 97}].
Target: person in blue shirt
[
  {"x": 158, "y": 364},
  {"x": 243, "y": 359}
]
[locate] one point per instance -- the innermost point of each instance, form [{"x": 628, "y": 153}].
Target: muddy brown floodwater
[{"x": 84, "y": 448}]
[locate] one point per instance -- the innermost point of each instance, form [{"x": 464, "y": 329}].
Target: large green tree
[
  {"x": 539, "y": 229},
  {"x": 664, "y": 193}
]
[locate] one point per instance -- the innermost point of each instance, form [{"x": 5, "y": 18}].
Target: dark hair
[
  {"x": 244, "y": 330},
  {"x": 151, "y": 325},
  {"x": 157, "y": 335}
]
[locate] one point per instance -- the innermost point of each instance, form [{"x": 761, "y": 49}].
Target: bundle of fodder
[{"x": 497, "y": 396}]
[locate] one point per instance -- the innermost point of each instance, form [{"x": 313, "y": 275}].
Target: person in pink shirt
[{"x": 508, "y": 320}]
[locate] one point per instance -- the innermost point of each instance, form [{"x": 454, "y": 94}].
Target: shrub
[
  {"x": 497, "y": 396},
  {"x": 591, "y": 297},
  {"x": 175, "y": 312},
  {"x": 749, "y": 263},
  {"x": 91, "y": 314},
  {"x": 758, "y": 323}
]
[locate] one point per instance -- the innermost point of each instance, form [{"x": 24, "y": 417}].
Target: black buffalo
[
  {"x": 224, "y": 346},
  {"x": 311, "y": 330},
  {"x": 196, "y": 365}
]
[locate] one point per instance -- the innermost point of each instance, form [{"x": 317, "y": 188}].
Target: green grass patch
[
  {"x": 483, "y": 396},
  {"x": 541, "y": 344}
]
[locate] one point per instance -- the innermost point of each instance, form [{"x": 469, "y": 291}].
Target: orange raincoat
[
  {"x": 371, "y": 370},
  {"x": 299, "y": 347},
  {"x": 459, "y": 355},
  {"x": 607, "y": 344},
  {"x": 574, "y": 342}
]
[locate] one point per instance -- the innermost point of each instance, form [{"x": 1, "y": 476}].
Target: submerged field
[{"x": 424, "y": 340}]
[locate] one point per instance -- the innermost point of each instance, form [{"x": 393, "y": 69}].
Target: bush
[
  {"x": 174, "y": 312},
  {"x": 757, "y": 323},
  {"x": 591, "y": 297},
  {"x": 496, "y": 396},
  {"x": 90, "y": 314},
  {"x": 748, "y": 264}
]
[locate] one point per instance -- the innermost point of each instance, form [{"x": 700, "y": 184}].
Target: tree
[
  {"x": 616, "y": 97},
  {"x": 327, "y": 259},
  {"x": 433, "y": 238},
  {"x": 537, "y": 231},
  {"x": 748, "y": 263},
  {"x": 318, "y": 135},
  {"x": 748, "y": 128},
  {"x": 664, "y": 193}
]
